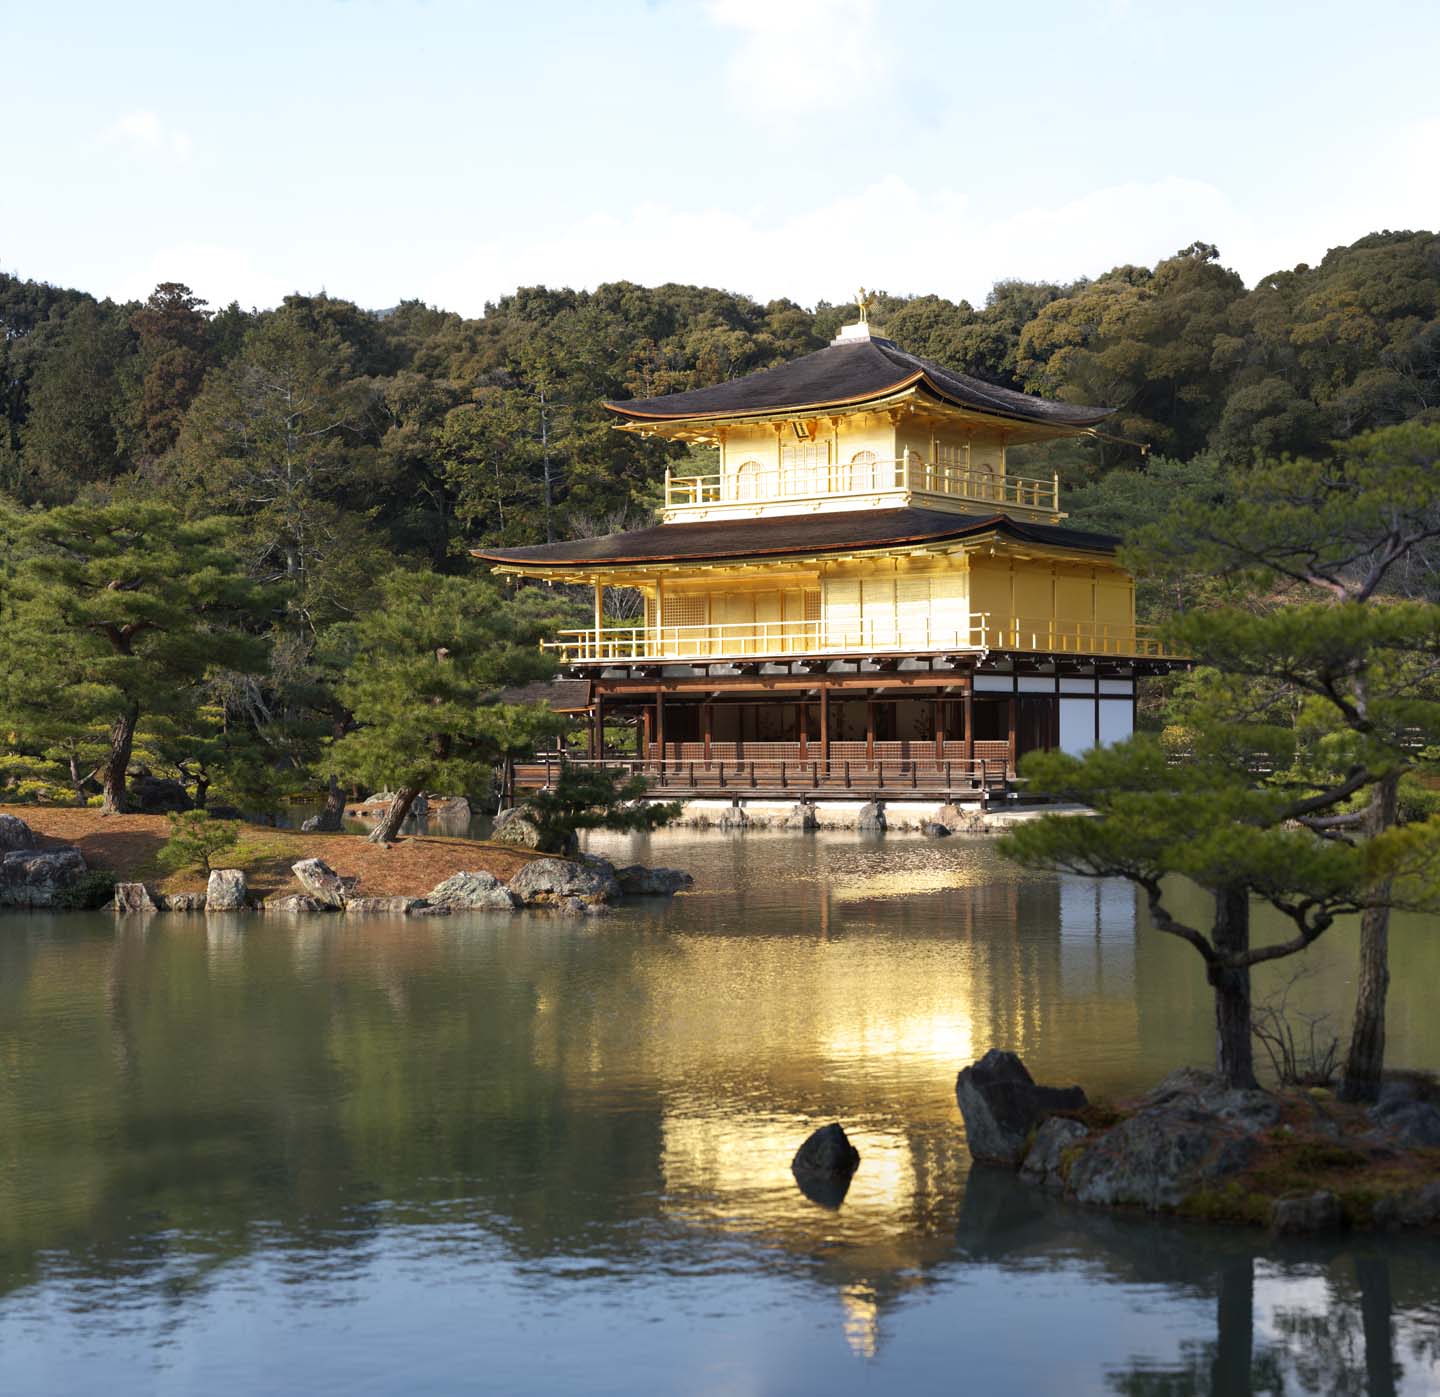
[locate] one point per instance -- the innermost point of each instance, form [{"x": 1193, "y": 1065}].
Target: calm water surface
[{"x": 536, "y": 1155}]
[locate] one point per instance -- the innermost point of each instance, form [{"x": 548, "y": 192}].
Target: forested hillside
[{"x": 346, "y": 439}]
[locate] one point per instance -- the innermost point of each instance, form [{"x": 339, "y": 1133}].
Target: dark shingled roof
[
  {"x": 848, "y": 374},
  {"x": 787, "y": 534},
  {"x": 561, "y": 695}
]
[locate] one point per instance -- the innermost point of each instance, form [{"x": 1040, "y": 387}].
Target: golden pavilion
[{"x": 860, "y": 597}]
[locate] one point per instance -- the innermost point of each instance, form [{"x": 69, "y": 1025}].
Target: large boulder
[
  {"x": 133, "y": 897},
  {"x": 38, "y": 877},
  {"x": 15, "y": 834},
  {"x": 1048, "y": 1159},
  {"x": 226, "y": 891},
  {"x": 1001, "y": 1104},
  {"x": 1411, "y": 1124},
  {"x": 471, "y": 892},
  {"x": 321, "y": 882},
  {"x": 1418, "y": 1207},
  {"x": 517, "y": 826},
  {"x": 1161, "y": 1155},
  {"x": 552, "y": 881},
  {"x": 156, "y": 795},
  {"x": 870, "y": 818},
  {"x": 933, "y": 829},
  {"x": 638, "y": 881}
]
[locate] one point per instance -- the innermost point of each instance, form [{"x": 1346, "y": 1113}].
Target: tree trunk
[
  {"x": 122, "y": 740},
  {"x": 388, "y": 830},
  {"x": 1234, "y": 1050},
  {"x": 332, "y": 817},
  {"x": 1365, "y": 1061}
]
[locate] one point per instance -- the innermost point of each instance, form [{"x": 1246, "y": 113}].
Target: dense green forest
[{"x": 340, "y": 443}]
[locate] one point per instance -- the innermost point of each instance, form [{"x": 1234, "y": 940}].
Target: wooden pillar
[
  {"x": 599, "y": 745},
  {"x": 1014, "y": 707},
  {"x": 870, "y": 731},
  {"x": 802, "y": 721},
  {"x": 646, "y": 734},
  {"x": 707, "y": 712},
  {"x": 939, "y": 723},
  {"x": 825, "y": 723},
  {"x": 969, "y": 724},
  {"x": 599, "y": 617},
  {"x": 660, "y": 721}
]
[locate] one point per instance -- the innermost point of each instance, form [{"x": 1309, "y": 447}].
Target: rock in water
[
  {"x": 871, "y": 818},
  {"x": 552, "y": 881},
  {"x": 1001, "y": 1104},
  {"x": 182, "y": 902},
  {"x": 133, "y": 897},
  {"x": 16, "y": 834},
  {"x": 638, "y": 881},
  {"x": 381, "y": 906},
  {"x": 478, "y": 891},
  {"x": 933, "y": 829},
  {"x": 226, "y": 890},
  {"x": 295, "y": 902},
  {"x": 827, "y": 1151},
  {"x": 802, "y": 817},
  {"x": 1316, "y": 1212},
  {"x": 35, "y": 878},
  {"x": 824, "y": 1165},
  {"x": 1045, "y": 1161},
  {"x": 321, "y": 882}
]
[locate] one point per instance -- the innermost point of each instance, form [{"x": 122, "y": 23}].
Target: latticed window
[
  {"x": 860, "y": 473},
  {"x": 802, "y": 467}
]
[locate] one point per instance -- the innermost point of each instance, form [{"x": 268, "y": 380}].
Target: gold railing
[
  {"x": 862, "y": 635},
  {"x": 850, "y": 478}
]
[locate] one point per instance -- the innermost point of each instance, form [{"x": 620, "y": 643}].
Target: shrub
[
  {"x": 92, "y": 889},
  {"x": 195, "y": 839}
]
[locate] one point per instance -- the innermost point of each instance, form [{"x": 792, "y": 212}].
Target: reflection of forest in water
[{"x": 627, "y": 1093}]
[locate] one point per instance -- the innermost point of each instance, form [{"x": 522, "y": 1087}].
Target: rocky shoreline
[
  {"x": 37, "y": 877},
  {"x": 1293, "y": 1160}
]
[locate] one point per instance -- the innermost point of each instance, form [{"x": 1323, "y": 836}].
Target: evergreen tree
[
  {"x": 1358, "y": 534},
  {"x": 425, "y": 686},
  {"x": 125, "y": 609}
]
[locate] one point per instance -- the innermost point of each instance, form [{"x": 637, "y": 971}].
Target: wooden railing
[
  {"x": 851, "y": 478},
  {"x": 670, "y": 777},
  {"x": 860, "y": 635}
]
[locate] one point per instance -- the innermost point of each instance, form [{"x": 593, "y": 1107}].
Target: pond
[{"x": 534, "y": 1154}]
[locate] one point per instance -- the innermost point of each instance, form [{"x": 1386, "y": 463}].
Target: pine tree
[
  {"x": 125, "y": 609},
  {"x": 425, "y": 684}
]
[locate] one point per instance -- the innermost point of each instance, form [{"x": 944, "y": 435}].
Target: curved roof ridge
[
  {"x": 787, "y": 534},
  {"x": 846, "y": 374}
]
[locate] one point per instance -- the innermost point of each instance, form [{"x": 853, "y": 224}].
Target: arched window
[
  {"x": 860, "y": 472},
  {"x": 747, "y": 480}
]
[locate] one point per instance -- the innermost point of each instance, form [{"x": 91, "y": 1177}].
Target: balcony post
[
  {"x": 970, "y": 722},
  {"x": 599, "y": 616}
]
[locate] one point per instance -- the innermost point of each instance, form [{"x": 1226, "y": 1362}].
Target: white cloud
[
  {"x": 889, "y": 235},
  {"x": 144, "y": 133},
  {"x": 798, "y": 56}
]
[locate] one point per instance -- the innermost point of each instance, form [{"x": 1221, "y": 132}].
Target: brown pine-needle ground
[{"x": 127, "y": 845}]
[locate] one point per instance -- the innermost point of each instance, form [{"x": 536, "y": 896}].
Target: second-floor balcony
[
  {"x": 751, "y": 487},
  {"x": 862, "y": 637}
]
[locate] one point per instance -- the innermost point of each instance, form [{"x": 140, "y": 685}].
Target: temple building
[{"x": 860, "y": 596}]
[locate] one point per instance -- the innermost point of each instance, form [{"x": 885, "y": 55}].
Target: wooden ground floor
[{"x": 927, "y": 731}]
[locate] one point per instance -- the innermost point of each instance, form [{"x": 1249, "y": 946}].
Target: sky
[{"x": 452, "y": 150}]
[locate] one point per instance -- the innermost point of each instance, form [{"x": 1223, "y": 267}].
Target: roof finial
[{"x": 864, "y": 300}]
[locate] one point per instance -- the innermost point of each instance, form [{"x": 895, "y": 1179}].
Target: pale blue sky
[{"x": 448, "y": 150}]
